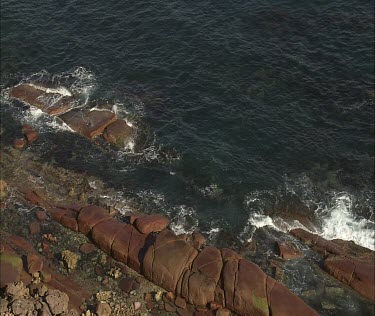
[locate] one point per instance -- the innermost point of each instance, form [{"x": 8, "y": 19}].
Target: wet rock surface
[{"x": 207, "y": 279}]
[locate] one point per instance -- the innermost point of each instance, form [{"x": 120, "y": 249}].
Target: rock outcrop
[
  {"x": 349, "y": 263},
  {"x": 210, "y": 277},
  {"x": 49, "y": 101},
  {"x": 60, "y": 102}
]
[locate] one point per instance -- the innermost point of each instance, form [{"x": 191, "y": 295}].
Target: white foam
[
  {"x": 183, "y": 220},
  {"x": 340, "y": 223},
  {"x": 60, "y": 90}
]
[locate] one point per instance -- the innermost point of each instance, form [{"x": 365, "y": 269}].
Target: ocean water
[{"x": 247, "y": 112}]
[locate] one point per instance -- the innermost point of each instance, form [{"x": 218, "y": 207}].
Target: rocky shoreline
[{"x": 76, "y": 253}]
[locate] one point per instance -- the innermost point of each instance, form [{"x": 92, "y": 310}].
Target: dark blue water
[{"x": 259, "y": 100}]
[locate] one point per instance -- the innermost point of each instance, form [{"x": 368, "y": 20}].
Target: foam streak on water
[{"x": 338, "y": 222}]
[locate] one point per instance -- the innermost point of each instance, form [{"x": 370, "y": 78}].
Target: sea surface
[{"x": 246, "y": 111}]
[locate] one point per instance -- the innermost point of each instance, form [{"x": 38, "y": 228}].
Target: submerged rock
[
  {"x": 118, "y": 133},
  {"x": 89, "y": 123}
]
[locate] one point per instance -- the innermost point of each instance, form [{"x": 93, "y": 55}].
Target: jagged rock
[
  {"x": 47, "y": 100},
  {"x": 151, "y": 223},
  {"x": 10, "y": 268},
  {"x": 45, "y": 311},
  {"x": 22, "y": 306},
  {"x": 70, "y": 259},
  {"x": 3, "y": 306},
  {"x": 16, "y": 290},
  {"x": 57, "y": 301},
  {"x": 288, "y": 250},
  {"x": 118, "y": 133},
  {"x": 89, "y": 123}
]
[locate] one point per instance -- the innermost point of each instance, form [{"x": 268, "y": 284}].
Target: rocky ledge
[{"x": 89, "y": 122}]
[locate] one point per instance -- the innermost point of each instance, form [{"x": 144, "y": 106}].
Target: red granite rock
[
  {"x": 288, "y": 250},
  {"x": 357, "y": 273},
  {"x": 34, "y": 228},
  {"x": 166, "y": 259},
  {"x": 126, "y": 284},
  {"x": 41, "y": 215},
  {"x": 20, "y": 143},
  {"x": 40, "y": 97},
  {"x": 250, "y": 297},
  {"x": 120, "y": 246},
  {"x": 210, "y": 263},
  {"x": 151, "y": 223},
  {"x": 56, "y": 213},
  {"x": 105, "y": 232},
  {"x": 197, "y": 240},
  {"x": 118, "y": 133},
  {"x": 136, "y": 249},
  {"x": 34, "y": 263},
  {"x": 89, "y": 216},
  {"x": 180, "y": 302},
  {"x": 197, "y": 288},
  {"x": 31, "y": 136},
  {"x": 284, "y": 302},
  {"x": 89, "y": 123},
  {"x": 69, "y": 220},
  {"x": 87, "y": 248},
  {"x": 305, "y": 236},
  {"x": 20, "y": 243}
]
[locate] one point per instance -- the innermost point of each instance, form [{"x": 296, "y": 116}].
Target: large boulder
[
  {"x": 151, "y": 223},
  {"x": 89, "y": 123},
  {"x": 167, "y": 258},
  {"x": 50, "y": 101},
  {"x": 118, "y": 133}
]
